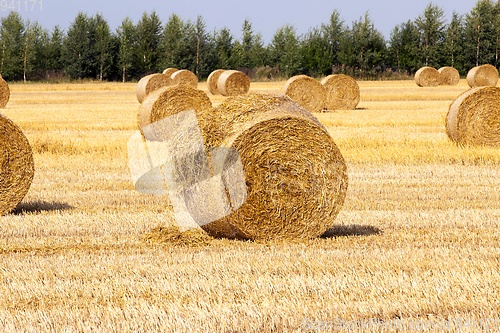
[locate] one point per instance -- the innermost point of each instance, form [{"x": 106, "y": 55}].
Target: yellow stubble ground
[{"x": 416, "y": 242}]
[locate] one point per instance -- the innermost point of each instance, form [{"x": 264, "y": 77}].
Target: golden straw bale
[
  {"x": 295, "y": 175},
  {"x": 427, "y": 77},
  {"x": 150, "y": 83},
  {"x": 448, "y": 76},
  {"x": 233, "y": 83},
  {"x": 171, "y": 100},
  {"x": 17, "y": 166},
  {"x": 4, "y": 93},
  {"x": 185, "y": 77},
  {"x": 342, "y": 92},
  {"x": 306, "y": 91},
  {"x": 484, "y": 75},
  {"x": 212, "y": 80},
  {"x": 474, "y": 117},
  {"x": 170, "y": 71}
]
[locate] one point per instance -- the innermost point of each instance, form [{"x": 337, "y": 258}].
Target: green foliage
[
  {"x": 149, "y": 35},
  {"x": 77, "y": 51},
  {"x": 403, "y": 52},
  {"x": 12, "y": 43},
  {"x": 126, "y": 44},
  {"x": 432, "y": 33},
  {"x": 284, "y": 51}
]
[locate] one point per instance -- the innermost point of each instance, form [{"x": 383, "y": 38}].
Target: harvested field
[{"x": 417, "y": 240}]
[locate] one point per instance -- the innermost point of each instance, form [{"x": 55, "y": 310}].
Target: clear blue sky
[{"x": 266, "y": 16}]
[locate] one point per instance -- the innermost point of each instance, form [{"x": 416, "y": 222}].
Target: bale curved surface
[
  {"x": 4, "y": 93},
  {"x": 212, "y": 80},
  {"x": 17, "y": 166},
  {"x": 427, "y": 77},
  {"x": 168, "y": 101},
  {"x": 296, "y": 176},
  {"x": 484, "y": 75},
  {"x": 150, "y": 83},
  {"x": 233, "y": 83},
  {"x": 306, "y": 91},
  {"x": 474, "y": 117},
  {"x": 448, "y": 76},
  {"x": 342, "y": 92},
  {"x": 185, "y": 77},
  {"x": 170, "y": 71}
]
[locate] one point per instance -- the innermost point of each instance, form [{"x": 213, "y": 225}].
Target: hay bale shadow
[
  {"x": 39, "y": 206},
  {"x": 351, "y": 230}
]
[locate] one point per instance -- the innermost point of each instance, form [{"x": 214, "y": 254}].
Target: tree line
[{"x": 89, "y": 49}]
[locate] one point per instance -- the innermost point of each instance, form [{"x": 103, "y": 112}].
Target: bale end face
[
  {"x": 17, "y": 166},
  {"x": 306, "y": 91},
  {"x": 151, "y": 83},
  {"x": 342, "y": 92},
  {"x": 233, "y": 83},
  {"x": 427, "y": 77},
  {"x": 484, "y": 75}
]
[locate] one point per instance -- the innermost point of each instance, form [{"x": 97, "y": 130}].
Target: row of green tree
[{"x": 90, "y": 49}]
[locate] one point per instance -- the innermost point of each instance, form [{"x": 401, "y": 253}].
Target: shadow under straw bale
[
  {"x": 351, "y": 230},
  {"x": 39, "y": 206}
]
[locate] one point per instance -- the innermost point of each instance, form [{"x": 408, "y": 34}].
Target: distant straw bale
[
  {"x": 212, "y": 80},
  {"x": 185, "y": 77},
  {"x": 306, "y": 91},
  {"x": 474, "y": 117},
  {"x": 484, "y": 75},
  {"x": 427, "y": 77},
  {"x": 170, "y": 71},
  {"x": 296, "y": 176},
  {"x": 17, "y": 166},
  {"x": 233, "y": 83},
  {"x": 4, "y": 93},
  {"x": 150, "y": 83},
  {"x": 448, "y": 76},
  {"x": 171, "y": 100},
  {"x": 342, "y": 92}
]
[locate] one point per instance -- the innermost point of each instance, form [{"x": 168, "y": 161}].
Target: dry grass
[{"x": 418, "y": 237}]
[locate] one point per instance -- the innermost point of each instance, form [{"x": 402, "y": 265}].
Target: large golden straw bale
[
  {"x": 17, "y": 166},
  {"x": 474, "y": 117},
  {"x": 212, "y": 80},
  {"x": 342, "y": 92},
  {"x": 150, "y": 83},
  {"x": 295, "y": 175},
  {"x": 306, "y": 91},
  {"x": 233, "y": 83},
  {"x": 448, "y": 76},
  {"x": 185, "y": 77},
  {"x": 427, "y": 77},
  {"x": 484, "y": 75},
  {"x": 4, "y": 93}
]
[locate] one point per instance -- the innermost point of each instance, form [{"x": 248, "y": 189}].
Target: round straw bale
[
  {"x": 474, "y": 117},
  {"x": 4, "y": 93},
  {"x": 233, "y": 83},
  {"x": 17, "y": 166},
  {"x": 295, "y": 175},
  {"x": 168, "y": 101},
  {"x": 448, "y": 76},
  {"x": 150, "y": 83},
  {"x": 185, "y": 77},
  {"x": 170, "y": 71},
  {"x": 212, "y": 80},
  {"x": 484, "y": 75},
  {"x": 306, "y": 91},
  {"x": 427, "y": 77},
  {"x": 342, "y": 92}
]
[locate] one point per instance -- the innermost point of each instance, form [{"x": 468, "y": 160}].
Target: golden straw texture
[
  {"x": 484, "y": 75},
  {"x": 212, "y": 80},
  {"x": 170, "y": 71},
  {"x": 296, "y": 176},
  {"x": 342, "y": 92},
  {"x": 448, "y": 76},
  {"x": 474, "y": 117},
  {"x": 150, "y": 83},
  {"x": 185, "y": 77},
  {"x": 4, "y": 93},
  {"x": 17, "y": 166},
  {"x": 427, "y": 77},
  {"x": 306, "y": 91},
  {"x": 233, "y": 83},
  {"x": 169, "y": 101}
]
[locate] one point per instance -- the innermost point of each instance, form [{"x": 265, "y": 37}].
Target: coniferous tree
[
  {"x": 126, "y": 45},
  {"x": 284, "y": 51},
  {"x": 431, "y": 25},
  {"x": 12, "y": 43},
  {"x": 78, "y": 57},
  {"x": 149, "y": 35}
]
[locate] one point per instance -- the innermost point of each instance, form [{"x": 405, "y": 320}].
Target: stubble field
[{"x": 416, "y": 243}]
